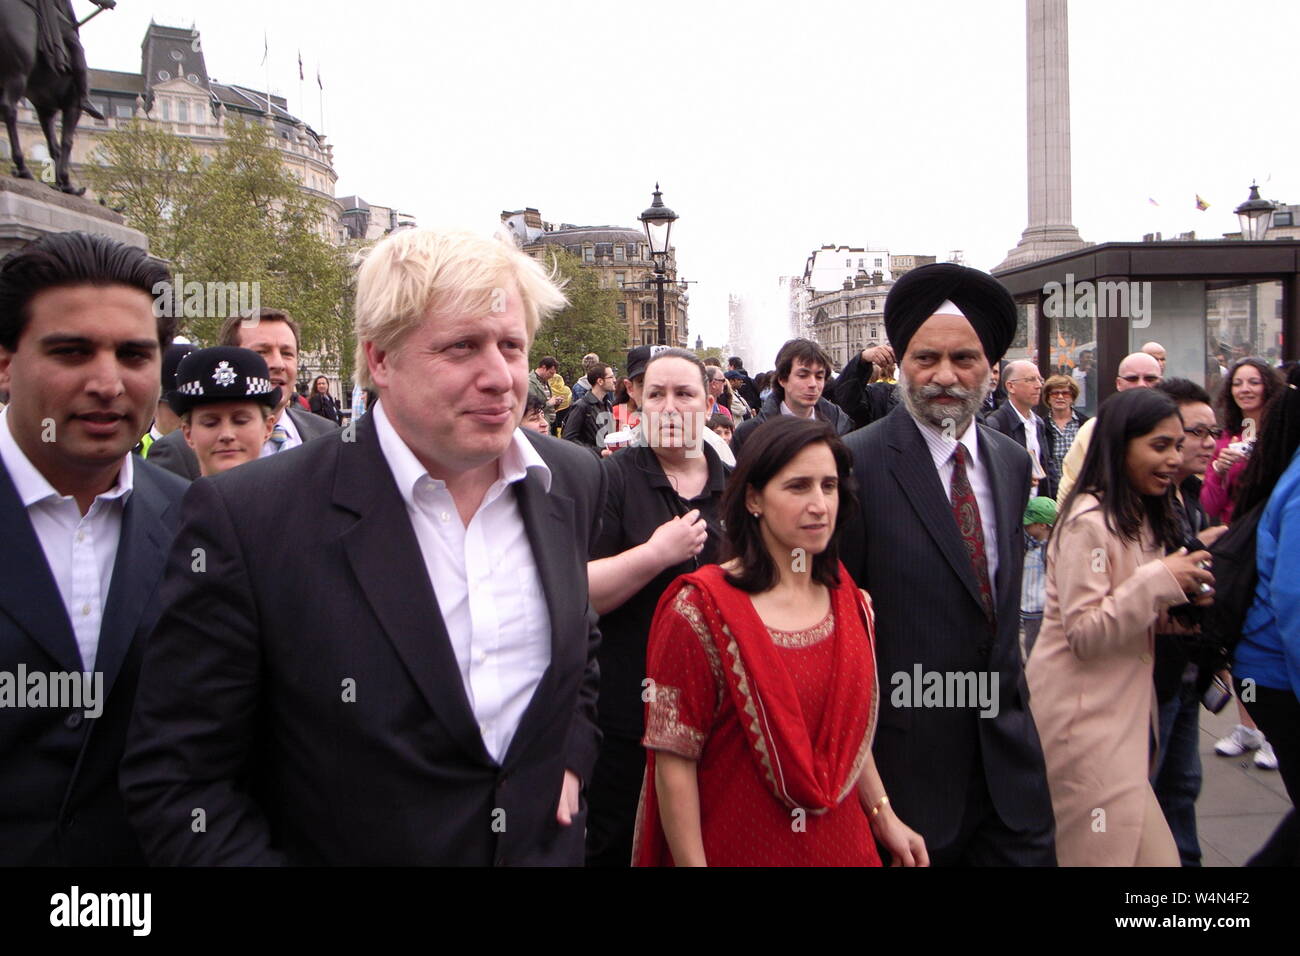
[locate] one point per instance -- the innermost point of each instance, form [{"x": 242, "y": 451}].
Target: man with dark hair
[
  {"x": 86, "y": 527},
  {"x": 937, "y": 542},
  {"x": 801, "y": 371},
  {"x": 589, "y": 361},
  {"x": 539, "y": 384},
  {"x": 742, "y": 383},
  {"x": 589, "y": 419},
  {"x": 272, "y": 334},
  {"x": 1179, "y": 681}
]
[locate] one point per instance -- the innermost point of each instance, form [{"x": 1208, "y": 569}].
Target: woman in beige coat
[{"x": 1109, "y": 577}]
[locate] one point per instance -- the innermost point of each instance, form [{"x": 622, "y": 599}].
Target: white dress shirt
[
  {"x": 81, "y": 550},
  {"x": 485, "y": 579},
  {"x": 293, "y": 441},
  {"x": 941, "y": 450},
  {"x": 787, "y": 410},
  {"x": 1031, "y": 434}
]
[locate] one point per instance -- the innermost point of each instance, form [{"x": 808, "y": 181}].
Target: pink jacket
[
  {"x": 1090, "y": 686},
  {"x": 1217, "y": 492}
]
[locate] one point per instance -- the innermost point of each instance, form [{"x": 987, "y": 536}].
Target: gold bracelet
[{"x": 879, "y": 805}]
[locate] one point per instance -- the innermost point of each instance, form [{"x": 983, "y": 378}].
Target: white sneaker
[
  {"x": 1239, "y": 741},
  {"x": 1265, "y": 759}
]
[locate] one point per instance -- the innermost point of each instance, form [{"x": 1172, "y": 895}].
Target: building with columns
[
  {"x": 851, "y": 318},
  {"x": 621, "y": 257},
  {"x": 173, "y": 88},
  {"x": 840, "y": 303}
]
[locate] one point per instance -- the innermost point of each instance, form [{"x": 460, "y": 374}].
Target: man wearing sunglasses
[{"x": 1138, "y": 370}]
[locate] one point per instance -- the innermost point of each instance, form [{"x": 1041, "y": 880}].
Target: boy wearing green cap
[{"x": 1040, "y": 515}]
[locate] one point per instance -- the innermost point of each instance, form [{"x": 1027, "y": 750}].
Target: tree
[
  {"x": 235, "y": 216},
  {"x": 149, "y": 175},
  {"x": 589, "y": 323}
]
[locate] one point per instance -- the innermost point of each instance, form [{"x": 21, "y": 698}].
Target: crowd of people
[{"x": 925, "y": 612}]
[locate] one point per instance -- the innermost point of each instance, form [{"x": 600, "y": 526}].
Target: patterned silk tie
[
  {"x": 966, "y": 511},
  {"x": 279, "y": 435}
]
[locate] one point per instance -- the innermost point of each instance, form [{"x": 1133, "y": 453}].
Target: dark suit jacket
[
  {"x": 904, "y": 548},
  {"x": 862, "y": 400},
  {"x": 827, "y": 411},
  {"x": 242, "y": 709},
  {"x": 588, "y": 419},
  {"x": 1008, "y": 423},
  {"x": 174, "y": 453},
  {"x": 59, "y": 798}
]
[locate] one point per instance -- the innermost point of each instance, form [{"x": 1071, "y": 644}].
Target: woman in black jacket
[{"x": 322, "y": 402}]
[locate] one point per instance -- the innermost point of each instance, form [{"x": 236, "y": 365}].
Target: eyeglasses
[
  {"x": 1201, "y": 431},
  {"x": 1149, "y": 379}
]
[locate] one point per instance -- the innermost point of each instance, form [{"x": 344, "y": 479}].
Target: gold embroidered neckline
[{"x": 808, "y": 636}]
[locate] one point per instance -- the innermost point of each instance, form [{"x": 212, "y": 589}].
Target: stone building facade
[
  {"x": 850, "y": 318},
  {"x": 621, "y": 256},
  {"x": 173, "y": 88}
]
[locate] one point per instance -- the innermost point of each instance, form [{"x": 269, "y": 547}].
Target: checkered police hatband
[{"x": 259, "y": 386}]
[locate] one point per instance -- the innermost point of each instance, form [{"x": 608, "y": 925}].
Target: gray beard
[{"x": 920, "y": 405}]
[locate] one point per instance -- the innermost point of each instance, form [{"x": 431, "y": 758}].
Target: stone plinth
[{"x": 30, "y": 209}]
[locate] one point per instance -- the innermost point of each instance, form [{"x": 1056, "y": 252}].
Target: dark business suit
[
  {"x": 1008, "y": 423},
  {"x": 173, "y": 452},
  {"x": 242, "y": 711},
  {"x": 951, "y": 774},
  {"x": 59, "y": 798}
]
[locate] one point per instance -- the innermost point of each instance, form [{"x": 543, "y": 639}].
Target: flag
[
  {"x": 265, "y": 48},
  {"x": 300, "y": 65},
  {"x": 1152, "y": 201},
  {"x": 318, "y": 82},
  {"x": 1201, "y": 204}
]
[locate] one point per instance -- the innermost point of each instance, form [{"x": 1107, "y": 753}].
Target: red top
[{"x": 779, "y": 723}]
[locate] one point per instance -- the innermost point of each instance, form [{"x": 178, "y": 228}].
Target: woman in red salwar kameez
[{"x": 762, "y": 686}]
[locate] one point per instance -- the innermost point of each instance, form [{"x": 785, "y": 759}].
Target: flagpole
[
  {"x": 266, "y": 62},
  {"x": 301, "y": 104},
  {"x": 321, "y": 93}
]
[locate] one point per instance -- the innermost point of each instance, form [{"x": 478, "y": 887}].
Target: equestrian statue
[{"x": 41, "y": 59}]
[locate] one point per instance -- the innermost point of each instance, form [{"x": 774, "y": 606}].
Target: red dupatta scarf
[{"x": 800, "y": 772}]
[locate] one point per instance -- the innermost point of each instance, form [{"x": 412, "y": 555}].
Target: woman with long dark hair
[
  {"x": 322, "y": 402},
  {"x": 1114, "y": 565},
  {"x": 1246, "y": 392},
  {"x": 761, "y": 686},
  {"x": 1268, "y": 654},
  {"x": 1247, "y": 389}
]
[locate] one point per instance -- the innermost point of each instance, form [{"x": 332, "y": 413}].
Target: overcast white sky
[{"x": 773, "y": 127}]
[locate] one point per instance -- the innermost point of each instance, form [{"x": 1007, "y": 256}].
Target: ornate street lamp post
[
  {"x": 1255, "y": 215},
  {"x": 658, "y": 221}
]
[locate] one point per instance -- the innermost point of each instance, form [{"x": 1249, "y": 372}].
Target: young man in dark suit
[
  {"x": 272, "y": 334},
  {"x": 86, "y": 527},
  {"x": 404, "y": 672},
  {"x": 937, "y": 542}
]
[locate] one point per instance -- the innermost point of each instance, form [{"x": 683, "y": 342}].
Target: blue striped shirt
[{"x": 1033, "y": 583}]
